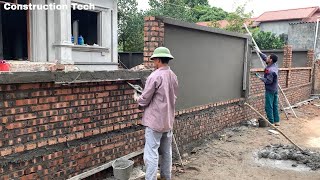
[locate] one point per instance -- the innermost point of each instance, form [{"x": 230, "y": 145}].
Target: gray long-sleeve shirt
[{"x": 271, "y": 75}]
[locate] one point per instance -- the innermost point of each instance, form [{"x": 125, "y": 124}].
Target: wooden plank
[{"x": 104, "y": 166}]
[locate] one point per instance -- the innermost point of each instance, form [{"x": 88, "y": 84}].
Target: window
[
  {"x": 87, "y": 26},
  {"x": 14, "y": 35}
]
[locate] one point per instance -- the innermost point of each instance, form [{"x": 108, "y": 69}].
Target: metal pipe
[
  {"x": 75, "y": 26},
  {"x": 254, "y": 42},
  {"x": 175, "y": 142},
  {"x": 315, "y": 40}
]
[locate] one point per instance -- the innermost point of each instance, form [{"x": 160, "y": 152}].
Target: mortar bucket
[
  {"x": 122, "y": 169},
  {"x": 263, "y": 123}
]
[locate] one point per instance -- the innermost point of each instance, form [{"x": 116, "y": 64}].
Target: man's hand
[
  {"x": 135, "y": 95},
  {"x": 258, "y": 75}
]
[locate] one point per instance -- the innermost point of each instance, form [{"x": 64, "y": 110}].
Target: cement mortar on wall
[
  {"x": 72, "y": 76},
  {"x": 206, "y": 70}
]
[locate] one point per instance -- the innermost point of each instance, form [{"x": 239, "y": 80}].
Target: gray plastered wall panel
[{"x": 209, "y": 65}]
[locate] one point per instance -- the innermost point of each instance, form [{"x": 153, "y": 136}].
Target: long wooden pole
[{"x": 265, "y": 119}]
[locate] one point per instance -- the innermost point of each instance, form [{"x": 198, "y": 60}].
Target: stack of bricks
[
  {"x": 50, "y": 131},
  {"x": 153, "y": 38},
  {"x": 287, "y": 61}
]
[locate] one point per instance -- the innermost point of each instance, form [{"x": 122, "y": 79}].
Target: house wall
[
  {"x": 301, "y": 35},
  {"x": 51, "y": 37},
  {"x": 278, "y": 27}
]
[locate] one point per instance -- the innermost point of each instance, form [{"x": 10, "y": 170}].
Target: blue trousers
[{"x": 271, "y": 107}]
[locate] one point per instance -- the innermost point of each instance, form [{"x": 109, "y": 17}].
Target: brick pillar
[
  {"x": 287, "y": 56},
  {"x": 153, "y": 38},
  {"x": 287, "y": 61},
  {"x": 310, "y": 57},
  {"x": 317, "y": 77}
]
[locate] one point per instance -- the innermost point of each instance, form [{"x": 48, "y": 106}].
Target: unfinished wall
[
  {"x": 51, "y": 131},
  {"x": 200, "y": 121},
  {"x": 201, "y": 54}
]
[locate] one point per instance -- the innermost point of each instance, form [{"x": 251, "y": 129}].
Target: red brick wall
[
  {"x": 196, "y": 124},
  {"x": 287, "y": 56},
  {"x": 54, "y": 132},
  {"x": 310, "y": 57}
]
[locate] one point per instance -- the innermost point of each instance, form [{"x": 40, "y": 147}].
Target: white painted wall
[{"x": 38, "y": 34}]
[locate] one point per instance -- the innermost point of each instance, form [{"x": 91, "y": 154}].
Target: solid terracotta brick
[{"x": 6, "y": 151}]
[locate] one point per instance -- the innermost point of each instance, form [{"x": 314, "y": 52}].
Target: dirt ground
[{"x": 235, "y": 157}]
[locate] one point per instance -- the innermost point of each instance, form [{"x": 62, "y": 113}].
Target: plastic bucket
[{"x": 122, "y": 169}]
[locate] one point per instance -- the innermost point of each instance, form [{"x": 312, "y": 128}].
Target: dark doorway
[{"x": 14, "y": 34}]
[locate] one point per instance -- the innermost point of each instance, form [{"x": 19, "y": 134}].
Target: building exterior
[
  {"x": 278, "y": 22},
  {"x": 302, "y": 36},
  {"x": 46, "y": 35}
]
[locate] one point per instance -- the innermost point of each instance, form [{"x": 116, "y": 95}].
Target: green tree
[
  {"x": 237, "y": 18},
  {"x": 194, "y": 3},
  {"x": 207, "y": 13},
  {"x": 130, "y": 26},
  {"x": 267, "y": 40},
  {"x": 186, "y": 10},
  {"x": 176, "y": 9}
]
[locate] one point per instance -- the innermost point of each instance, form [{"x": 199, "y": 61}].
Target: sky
[{"x": 258, "y": 6}]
